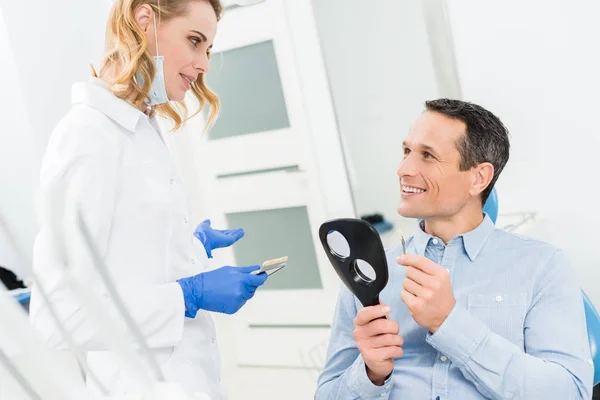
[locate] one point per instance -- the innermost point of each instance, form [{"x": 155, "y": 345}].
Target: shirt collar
[
  {"x": 96, "y": 94},
  {"x": 421, "y": 239},
  {"x": 473, "y": 241}
]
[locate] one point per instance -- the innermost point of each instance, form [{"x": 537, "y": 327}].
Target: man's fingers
[
  {"x": 386, "y": 340},
  {"x": 419, "y": 262},
  {"x": 386, "y": 353},
  {"x": 413, "y": 288},
  {"x": 418, "y": 276},
  {"x": 368, "y": 314},
  {"x": 408, "y": 298},
  {"x": 378, "y": 327}
]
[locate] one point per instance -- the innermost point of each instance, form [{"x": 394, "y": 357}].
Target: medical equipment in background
[
  {"x": 491, "y": 205},
  {"x": 66, "y": 336},
  {"x": 593, "y": 329},
  {"x": 40, "y": 371},
  {"x": 378, "y": 222}
]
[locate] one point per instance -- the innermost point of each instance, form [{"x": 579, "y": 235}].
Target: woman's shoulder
[
  {"x": 82, "y": 119},
  {"x": 85, "y": 129},
  {"x": 83, "y": 137}
]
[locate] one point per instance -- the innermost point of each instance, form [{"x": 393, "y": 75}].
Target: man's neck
[{"x": 448, "y": 227}]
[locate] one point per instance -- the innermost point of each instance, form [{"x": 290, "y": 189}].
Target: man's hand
[
  {"x": 427, "y": 291},
  {"x": 378, "y": 341}
]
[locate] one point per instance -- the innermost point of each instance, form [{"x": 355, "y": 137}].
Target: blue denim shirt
[{"x": 517, "y": 330}]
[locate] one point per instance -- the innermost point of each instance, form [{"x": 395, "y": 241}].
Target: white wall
[
  {"x": 45, "y": 47},
  {"x": 380, "y": 71},
  {"x": 18, "y": 164},
  {"x": 53, "y": 44},
  {"x": 536, "y": 65}
]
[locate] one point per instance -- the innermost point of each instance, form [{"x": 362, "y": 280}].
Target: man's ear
[{"x": 482, "y": 177}]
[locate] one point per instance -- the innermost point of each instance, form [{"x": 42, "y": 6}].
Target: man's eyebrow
[
  {"x": 429, "y": 149},
  {"x": 424, "y": 147}
]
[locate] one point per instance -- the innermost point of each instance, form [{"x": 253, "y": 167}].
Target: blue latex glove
[
  {"x": 216, "y": 239},
  {"x": 224, "y": 290}
]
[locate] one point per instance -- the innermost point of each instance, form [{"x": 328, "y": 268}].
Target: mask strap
[{"x": 155, "y": 33}]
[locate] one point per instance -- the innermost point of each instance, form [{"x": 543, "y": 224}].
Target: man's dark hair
[{"x": 485, "y": 140}]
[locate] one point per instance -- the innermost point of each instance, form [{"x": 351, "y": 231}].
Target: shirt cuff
[
  {"x": 362, "y": 385},
  {"x": 458, "y": 336}
]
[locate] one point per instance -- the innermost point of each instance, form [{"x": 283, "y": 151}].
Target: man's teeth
[{"x": 412, "y": 190}]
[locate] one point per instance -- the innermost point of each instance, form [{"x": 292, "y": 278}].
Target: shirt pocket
[{"x": 503, "y": 313}]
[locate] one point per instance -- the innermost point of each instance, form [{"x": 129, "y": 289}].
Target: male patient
[{"x": 471, "y": 312}]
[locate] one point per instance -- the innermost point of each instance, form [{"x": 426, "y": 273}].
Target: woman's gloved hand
[
  {"x": 216, "y": 239},
  {"x": 224, "y": 290}
]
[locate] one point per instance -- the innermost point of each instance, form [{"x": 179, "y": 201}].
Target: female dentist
[{"x": 109, "y": 155}]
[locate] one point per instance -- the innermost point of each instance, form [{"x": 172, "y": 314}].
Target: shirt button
[
  {"x": 435, "y": 241},
  {"x": 185, "y": 220},
  {"x": 213, "y": 341},
  {"x": 193, "y": 261},
  {"x": 171, "y": 181},
  {"x": 443, "y": 358},
  {"x": 498, "y": 299}
]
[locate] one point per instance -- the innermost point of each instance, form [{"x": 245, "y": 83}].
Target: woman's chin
[{"x": 177, "y": 95}]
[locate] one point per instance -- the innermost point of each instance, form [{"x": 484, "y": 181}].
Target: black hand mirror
[{"x": 355, "y": 250}]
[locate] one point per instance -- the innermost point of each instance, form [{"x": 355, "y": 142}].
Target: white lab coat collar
[{"x": 96, "y": 94}]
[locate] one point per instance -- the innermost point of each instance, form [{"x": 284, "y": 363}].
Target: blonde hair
[{"x": 126, "y": 50}]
